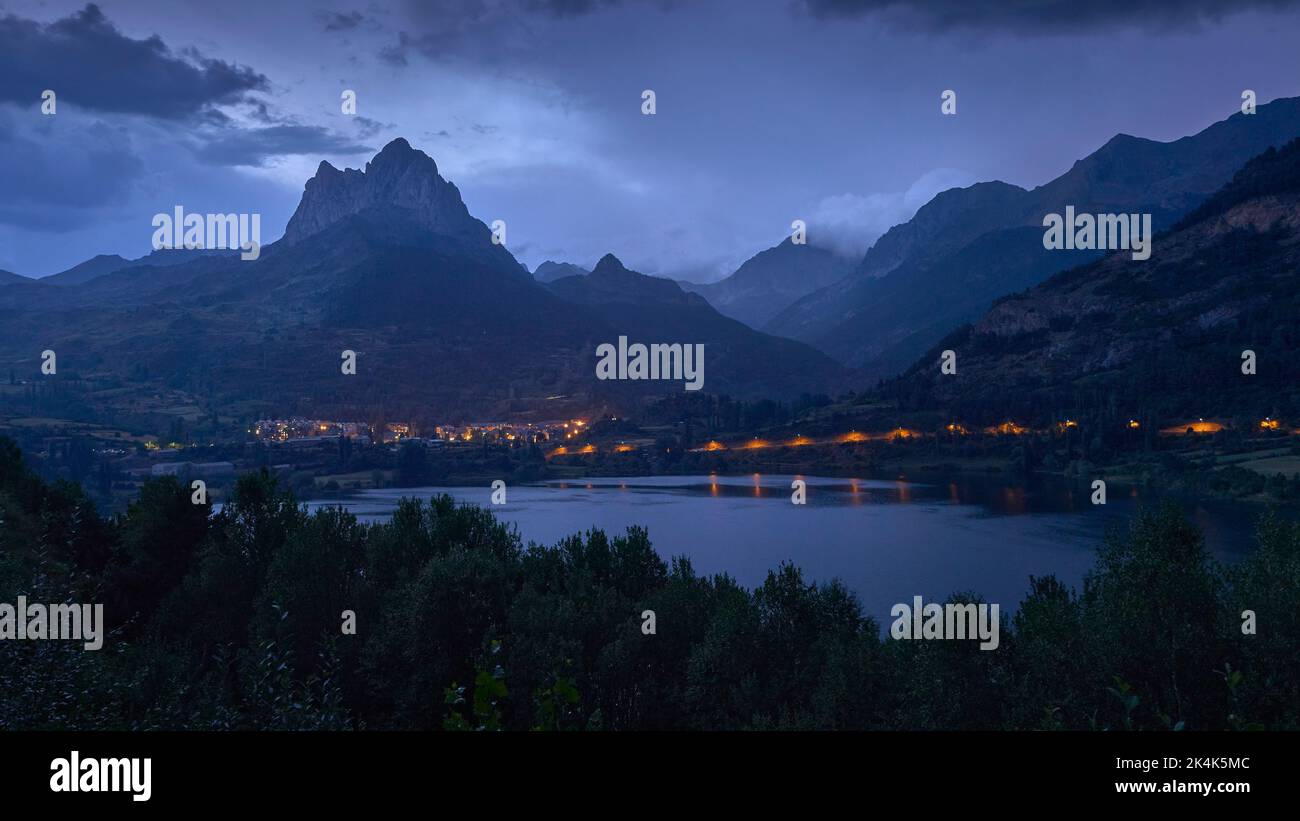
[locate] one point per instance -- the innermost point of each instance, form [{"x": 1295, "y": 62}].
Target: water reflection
[
  {"x": 904, "y": 491},
  {"x": 1014, "y": 502},
  {"x": 888, "y": 540}
]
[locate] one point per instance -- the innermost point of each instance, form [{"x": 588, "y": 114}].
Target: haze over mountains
[
  {"x": 389, "y": 263},
  {"x": 969, "y": 246}
]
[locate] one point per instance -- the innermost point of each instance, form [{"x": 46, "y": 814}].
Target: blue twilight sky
[{"x": 768, "y": 110}]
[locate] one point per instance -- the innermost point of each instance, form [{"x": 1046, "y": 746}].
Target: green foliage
[
  {"x": 233, "y": 620},
  {"x": 557, "y": 705},
  {"x": 489, "y": 691}
]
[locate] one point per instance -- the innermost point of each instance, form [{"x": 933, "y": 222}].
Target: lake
[{"x": 886, "y": 540}]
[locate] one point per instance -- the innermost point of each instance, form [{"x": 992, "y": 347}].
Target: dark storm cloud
[
  {"x": 577, "y": 8},
  {"x": 254, "y": 146},
  {"x": 1040, "y": 15},
  {"x": 396, "y": 55},
  {"x": 336, "y": 21},
  {"x": 92, "y": 65},
  {"x": 367, "y": 128},
  {"x": 566, "y": 8},
  {"x": 89, "y": 63},
  {"x": 487, "y": 29},
  {"x": 57, "y": 178}
]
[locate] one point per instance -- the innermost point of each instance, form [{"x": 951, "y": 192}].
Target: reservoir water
[{"x": 886, "y": 540}]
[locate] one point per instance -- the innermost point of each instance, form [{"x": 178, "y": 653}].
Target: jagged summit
[
  {"x": 397, "y": 158},
  {"x": 399, "y": 178}
]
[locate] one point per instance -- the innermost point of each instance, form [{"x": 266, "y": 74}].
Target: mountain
[
  {"x": 945, "y": 224},
  {"x": 940, "y": 269},
  {"x": 893, "y": 318},
  {"x": 388, "y": 263},
  {"x": 771, "y": 280},
  {"x": 401, "y": 185},
  {"x": 1163, "y": 336},
  {"x": 104, "y": 264},
  {"x": 88, "y": 270},
  {"x": 550, "y": 271},
  {"x": 9, "y": 277},
  {"x": 651, "y": 309},
  {"x": 611, "y": 284}
]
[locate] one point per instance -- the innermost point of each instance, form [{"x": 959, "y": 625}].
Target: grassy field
[
  {"x": 1286, "y": 464},
  {"x": 73, "y": 428}
]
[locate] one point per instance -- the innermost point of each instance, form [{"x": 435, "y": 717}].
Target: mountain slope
[
  {"x": 106, "y": 264},
  {"x": 946, "y": 223},
  {"x": 771, "y": 280},
  {"x": 388, "y": 263},
  {"x": 898, "y": 315},
  {"x": 1162, "y": 336},
  {"x": 550, "y": 271},
  {"x": 88, "y": 270},
  {"x": 738, "y": 359},
  {"x": 877, "y": 328}
]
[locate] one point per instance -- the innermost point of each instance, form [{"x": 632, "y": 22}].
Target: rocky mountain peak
[{"x": 398, "y": 178}]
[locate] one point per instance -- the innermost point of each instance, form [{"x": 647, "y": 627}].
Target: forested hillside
[{"x": 1158, "y": 338}]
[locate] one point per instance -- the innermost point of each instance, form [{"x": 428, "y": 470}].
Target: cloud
[
  {"x": 397, "y": 55},
  {"x": 59, "y": 175},
  {"x": 1040, "y": 15},
  {"x": 206, "y": 104},
  {"x": 566, "y": 8},
  {"x": 90, "y": 64},
  {"x": 848, "y": 224},
  {"x": 367, "y": 128},
  {"x": 336, "y": 21},
  {"x": 255, "y": 146},
  {"x": 488, "y": 30}
]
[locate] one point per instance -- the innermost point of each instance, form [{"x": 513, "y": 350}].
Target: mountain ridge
[
  {"x": 1126, "y": 174},
  {"x": 771, "y": 279},
  {"x": 1157, "y": 337},
  {"x": 388, "y": 263},
  {"x": 549, "y": 271}
]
